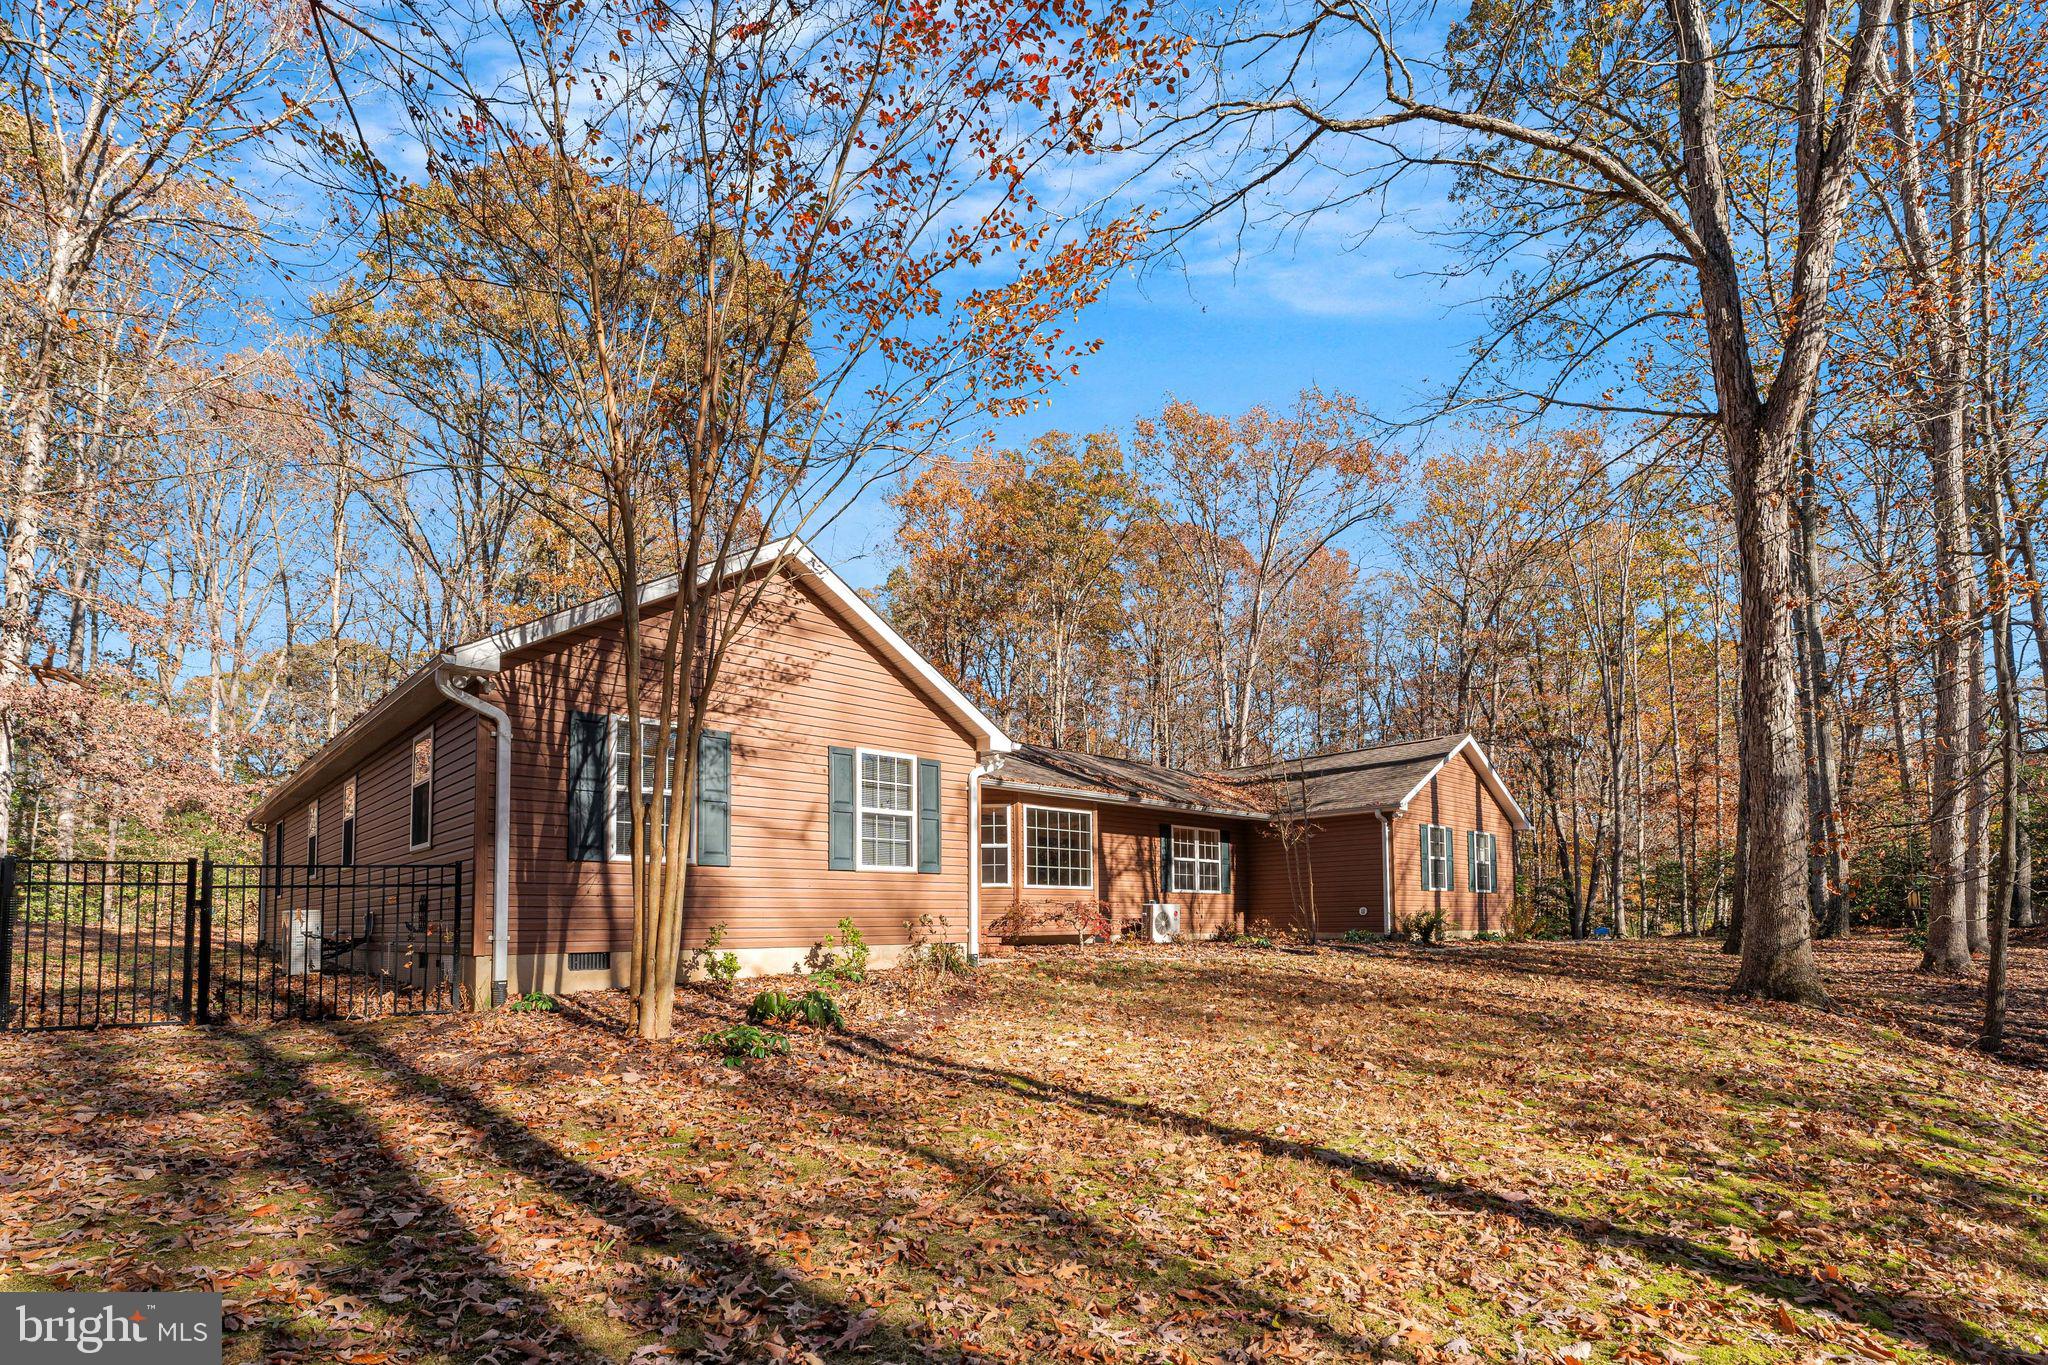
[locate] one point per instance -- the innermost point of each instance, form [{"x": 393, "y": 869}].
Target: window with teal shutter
[
  {"x": 839, "y": 810},
  {"x": 928, "y": 838},
  {"x": 714, "y": 799}
]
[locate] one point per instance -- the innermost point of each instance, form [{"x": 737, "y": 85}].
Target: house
[{"x": 843, "y": 777}]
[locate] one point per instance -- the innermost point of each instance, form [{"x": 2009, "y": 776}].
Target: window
[
  {"x": 1197, "y": 859},
  {"x": 624, "y": 808},
  {"x": 1436, "y": 857},
  {"x": 348, "y": 823},
  {"x": 1480, "y": 857},
  {"x": 1059, "y": 848},
  {"x": 313, "y": 834},
  {"x": 888, "y": 812},
  {"x": 423, "y": 789},
  {"x": 995, "y": 845}
]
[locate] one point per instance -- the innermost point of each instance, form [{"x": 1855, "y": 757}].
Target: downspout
[
  {"x": 501, "y": 823},
  {"x": 1386, "y": 874},
  {"x": 974, "y": 776}
]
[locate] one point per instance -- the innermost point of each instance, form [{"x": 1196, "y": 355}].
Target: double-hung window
[
  {"x": 1436, "y": 857},
  {"x": 625, "y": 808},
  {"x": 1197, "y": 859},
  {"x": 422, "y": 789},
  {"x": 1481, "y": 860},
  {"x": 888, "y": 812},
  {"x": 995, "y": 845},
  {"x": 1059, "y": 848},
  {"x": 348, "y": 823}
]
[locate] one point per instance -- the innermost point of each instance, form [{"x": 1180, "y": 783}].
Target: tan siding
[
  {"x": 384, "y": 801},
  {"x": 1128, "y": 868},
  {"x": 796, "y": 685},
  {"x": 1459, "y": 798},
  {"x": 1340, "y": 859}
]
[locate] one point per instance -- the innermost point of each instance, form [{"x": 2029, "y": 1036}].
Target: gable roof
[
  {"x": 1382, "y": 778},
  {"x": 416, "y": 695}
]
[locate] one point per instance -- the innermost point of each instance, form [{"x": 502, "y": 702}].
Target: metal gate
[{"x": 88, "y": 943}]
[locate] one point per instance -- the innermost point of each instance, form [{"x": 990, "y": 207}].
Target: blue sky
[{"x": 1228, "y": 333}]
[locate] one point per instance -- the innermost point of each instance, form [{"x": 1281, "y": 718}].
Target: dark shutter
[
  {"x": 1423, "y": 832},
  {"x": 714, "y": 799},
  {"x": 929, "y": 842},
  {"x": 1165, "y": 861},
  {"x": 839, "y": 825},
  {"x": 1225, "y": 852},
  {"x": 348, "y": 842},
  {"x": 590, "y": 763}
]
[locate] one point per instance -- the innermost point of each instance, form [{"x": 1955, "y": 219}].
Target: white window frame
[
  {"x": 1429, "y": 866},
  {"x": 1000, "y": 816},
  {"x": 620, "y": 755},
  {"x": 412, "y": 785},
  {"x": 1196, "y": 861},
  {"x": 1085, "y": 814},
  {"x": 861, "y": 810},
  {"x": 1483, "y": 840}
]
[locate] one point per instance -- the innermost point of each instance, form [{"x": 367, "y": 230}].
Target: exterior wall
[
  {"x": 1456, "y": 797},
  {"x": 1128, "y": 869},
  {"x": 1341, "y": 859},
  {"x": 796, "y": 684},
  {"x": 384, "y": 802}
]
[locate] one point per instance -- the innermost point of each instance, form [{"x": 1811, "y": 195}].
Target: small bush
[
  {"x": 819, "y": 1010},
  {"x": 721, "y": 969},
  {"x": 738, "y": 1044},
  {"x": 1423, "y": 929},
  {"x": 532, "y": 1001},
  {"x": 842, "y": 960},
  {"x": 1255, "y": 941},
  {"x": 771, "y": 1007},
  {"x": 1357, "y": 936}
]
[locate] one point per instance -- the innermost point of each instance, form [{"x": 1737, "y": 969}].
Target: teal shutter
[
  {"x": 590, "y": 763},
  {"x": 1165, "y": 861},
  {"x": 714, "y": 799},
  {"x": 839, "y": 828},
  {"x": 1423, "y": 830},
  {"x": 1472, "y": 859},
  {"x": 929, "y": 840},
  {"x": 1225, "y": 850}
]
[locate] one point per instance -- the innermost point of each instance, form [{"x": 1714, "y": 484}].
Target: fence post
[
  {"x": 6, "y": 940},
  {"x": 191, "y": 920},
  {"x": 206, "y": 940}
]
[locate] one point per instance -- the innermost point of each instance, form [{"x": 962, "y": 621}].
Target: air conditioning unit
[{"x": 1162, "y": 921}]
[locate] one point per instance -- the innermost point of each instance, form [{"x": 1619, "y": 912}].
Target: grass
[{"x": 1486, "y": 1152}]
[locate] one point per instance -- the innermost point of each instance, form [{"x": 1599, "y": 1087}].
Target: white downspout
[
  {"x": 501, "y": 826},
  {"x": 1386, "y": 874},
  {"x": 974, "y": 776}
]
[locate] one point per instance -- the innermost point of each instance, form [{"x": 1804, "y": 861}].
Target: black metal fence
[{"x": 87, "y": 943}]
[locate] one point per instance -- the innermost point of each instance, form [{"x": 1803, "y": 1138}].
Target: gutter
[
  {"x": 501, "y": 826},
  {"x": 1386, "y": 874},
  {"x": 1101, "y": 798}
]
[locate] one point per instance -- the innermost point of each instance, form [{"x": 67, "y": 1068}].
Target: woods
[{"x": 1719, "y": 529}]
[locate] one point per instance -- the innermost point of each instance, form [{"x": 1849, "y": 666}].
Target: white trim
[
  {"x": 1450, "y": 881},
  {"x": 487, "y": 654},
  {"x": 1173, "y": 861},
  {"x": 861, "y": 808},
  {"x": 1024, "y": 826},
  {"x": 974, "y": 776},
  {"x": 1486, "y": 775},
  {"x": 1492, "y": 864},
  {"x": 981, "y": 846},
  {"x": 412, "y": 749},
  {"x": 611, "y": 789},
  {"x": 1386, "y": 873}
]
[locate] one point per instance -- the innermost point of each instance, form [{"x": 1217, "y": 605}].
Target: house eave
[{"x": 1092, "y": 797}]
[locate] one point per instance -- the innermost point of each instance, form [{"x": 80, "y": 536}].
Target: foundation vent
[{"x": 590, "y": 962}]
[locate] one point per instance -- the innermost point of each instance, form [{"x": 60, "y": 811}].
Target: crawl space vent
[{"x": 590, "y": 962}]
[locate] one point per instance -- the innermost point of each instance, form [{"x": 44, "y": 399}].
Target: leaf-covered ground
[{"x": 1209, "y": 1153}]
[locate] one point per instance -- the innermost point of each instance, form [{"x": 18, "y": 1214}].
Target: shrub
[
  {"x": 843, "y": 960},
  {"x": 721, "y": 969},
  {"x": 771, "y": 1007},
  {"x": 1424, "y": 929},
  {"x": 927, "y": 959},
  {"x": 819, "y": 1010},
  {"x": 532, "y": 1001},
  {"x": 1357, "y": 936},
  {"x": 1255, "y": 941},
  {"x": 739, "y": 1044}
]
